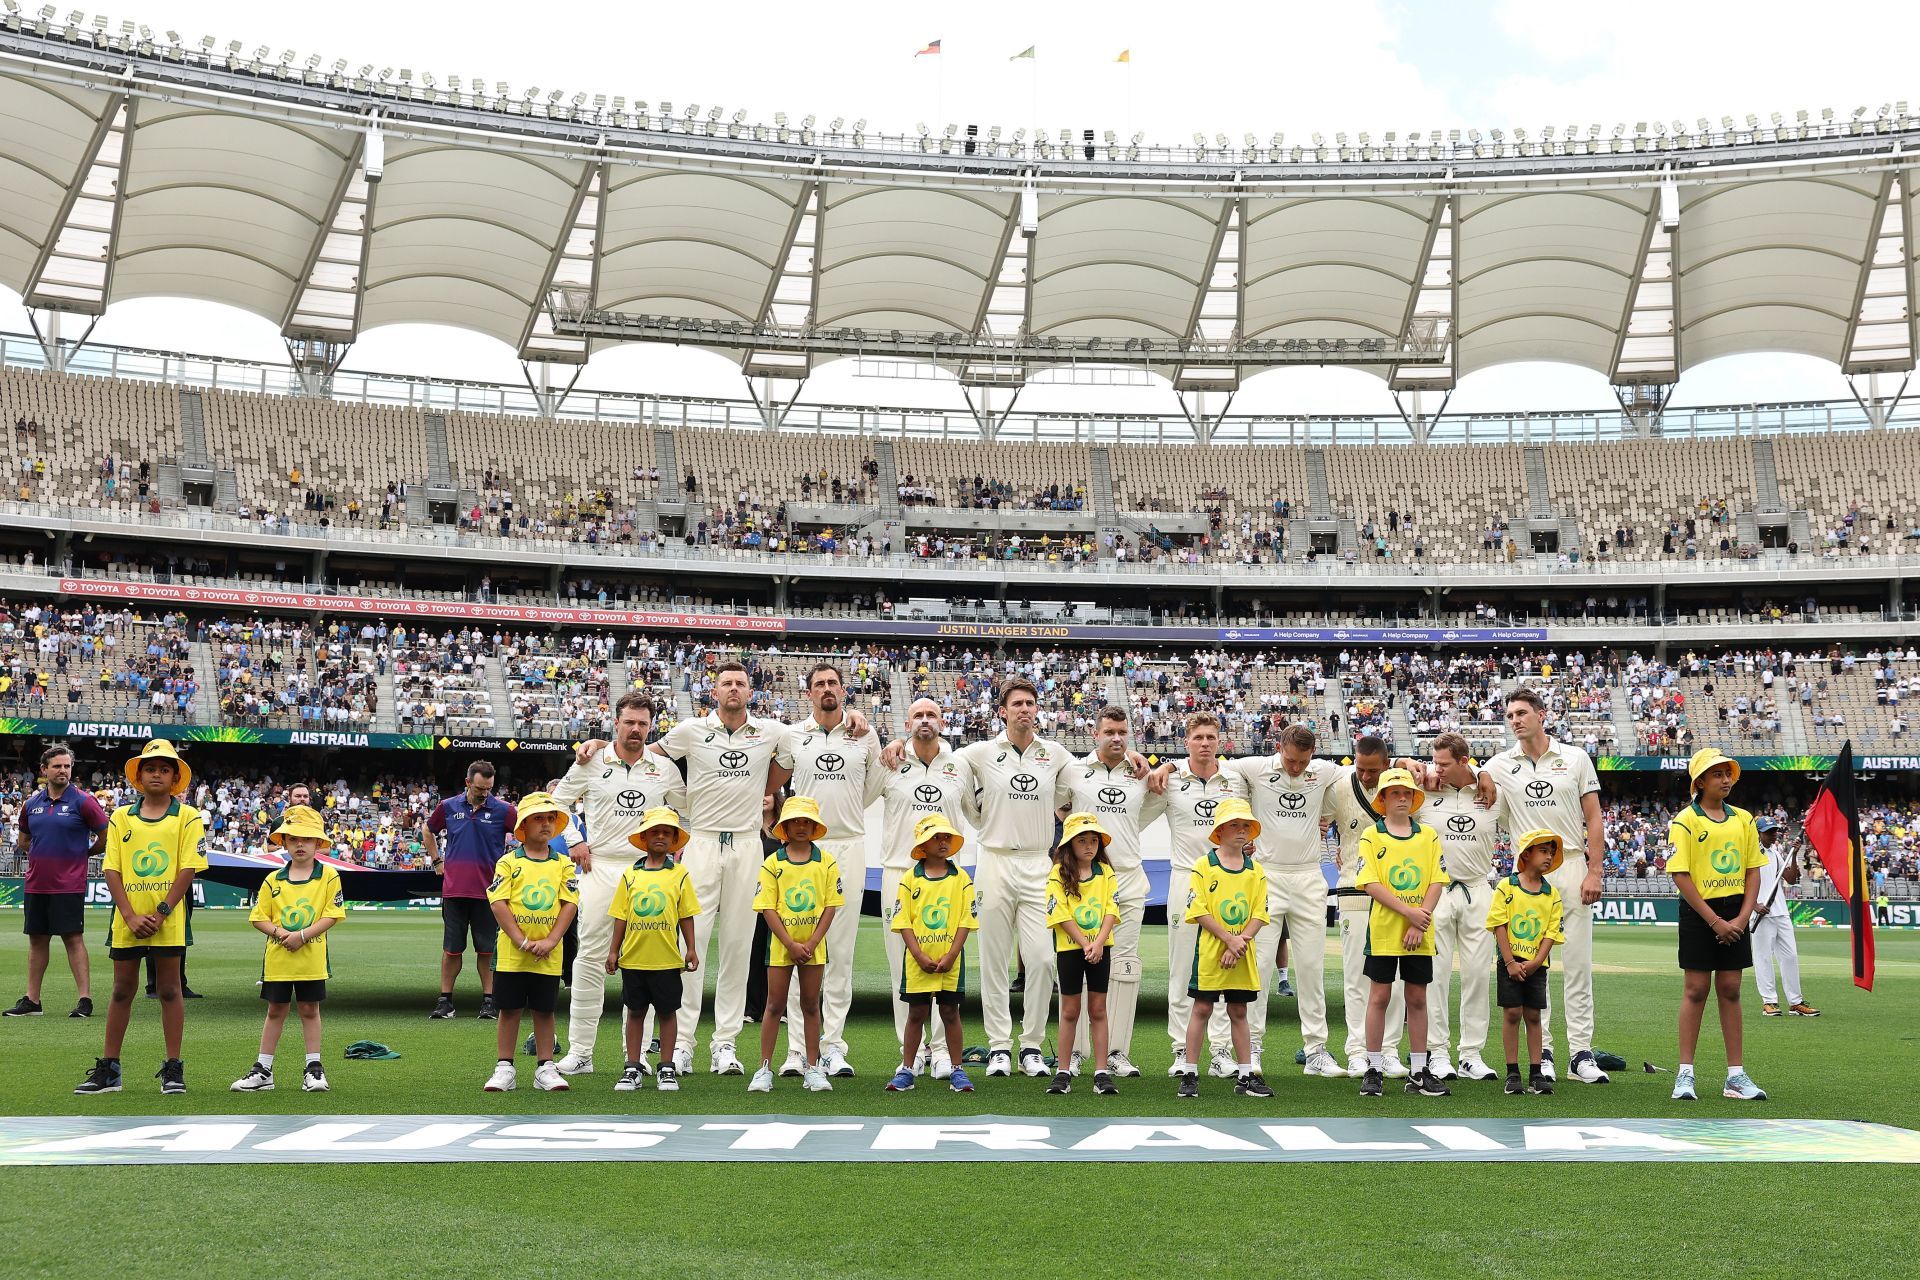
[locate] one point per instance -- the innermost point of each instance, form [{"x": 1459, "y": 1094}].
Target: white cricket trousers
[
  {"x": 1460, "y": 930},
  {"x": 1297, "y": 900},
  {"x": 1354, "y": 914},
  {"x": 1123, "y": 979},
  {"x": 725, "y": 869},
  {"x": 1773, "y": 942},
  {"x": 836, "y": 985},
  {"x": 1573, "y": 961},
  {"x": 588, "y": 1001},
  {"x": 1010, "y": 890}
]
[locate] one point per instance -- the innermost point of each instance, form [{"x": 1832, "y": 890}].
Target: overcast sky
[{"x": 1228, "y": 68}]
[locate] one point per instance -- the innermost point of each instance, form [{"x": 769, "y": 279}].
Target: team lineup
[{"x": 663, "y": 876}]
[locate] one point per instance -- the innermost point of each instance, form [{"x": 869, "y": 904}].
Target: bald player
[
  {"x": 1349, "y": 807},
  {"x": 1469, "y": 832}
]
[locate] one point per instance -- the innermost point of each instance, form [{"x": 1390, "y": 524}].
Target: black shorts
[
  {"x": 460, "y": 917},
  {"x": 1414, "y": 970},
  {"x": 656, "y": 989},
  {"x": 1233, "y": 995},
  {"x": 925, "y": 999},
  {"x": 1700, "y": 951},
  {"x": 304, "y": 990},
  {"x": 146, "y": 953},
  {"x": 1075, "y": 973},
  {"x": 55, "y": 915},
  {"x": 514, "y": 991},
  {"x": 1508, "y": 994}
]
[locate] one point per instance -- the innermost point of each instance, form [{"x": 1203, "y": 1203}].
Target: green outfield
[{"x": 815, "y": 1219}]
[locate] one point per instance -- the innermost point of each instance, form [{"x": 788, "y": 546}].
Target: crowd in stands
[
  {"x": 85, "y": 660},
  {"x": 294, "y": 675}
]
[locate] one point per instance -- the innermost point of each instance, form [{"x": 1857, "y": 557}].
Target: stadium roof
[{"x": 332, "y": 204}]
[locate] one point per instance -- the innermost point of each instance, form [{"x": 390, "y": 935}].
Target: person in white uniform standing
[
  {"x": 843, "y": 776},
  {"x": 928, "y": 778},
  {"x": 618, "y": 781},
  {"x": 1773, "y": 940},
  {"x": 1469, "y": 832},
  {"x": 1104, "y": 784},
  {"x": 1349, "y": 807}
]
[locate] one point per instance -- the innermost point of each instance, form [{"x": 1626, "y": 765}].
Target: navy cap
[{"x": 1765, "y": 825}]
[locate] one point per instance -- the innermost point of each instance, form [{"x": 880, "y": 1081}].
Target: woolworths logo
[
  {"x": 538, "y": 897},
  {"x": 1234, "y": 911},
  {"x": 1404, "y": 876},
  {"x": 298, "y": 915},
  {"x": 801, "y": 898},
  {"x": 1725, "y": 859},
  {"x": 935, "y": 916},
  {"x": 1526, "y": 928},
  {"x": 150, "y": 861},
  {"x": 1087, "y": 915},
  {"x": 649, "y": 903}
]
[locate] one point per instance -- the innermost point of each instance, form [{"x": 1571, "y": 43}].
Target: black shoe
[
  {"x": 653, "y": 1047},
  {"x": 1062, "y": 1082},
  {"x": 1252, "y": 1086},
  {"x": 489, "y": 1011},
  {"x": 188, "y": 993},
  {"x": 1538, "y": 1083},
  {"x": 1189, "y": 1085},
  {"x": 1103, "y": 1084},
  {"x": 104, "y": 1078},
  {"x": 1514, "y": 1086},
  {"x": 442, "y": 1008},
  {"x": 528, "y": 1049},
  {"x": 24, "y": 1008},
  {"x": 84, "y": 1009},
  {"x": 1427, "y": 1084},
  {"x": 1370, "y": 1084},
  {"x": 1019, "y": 986},
  {"x": 151, "y": 994},
  {"x": 172, "y": 1076}
]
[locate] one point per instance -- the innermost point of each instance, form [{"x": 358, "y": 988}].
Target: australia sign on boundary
[{"x": 97, "y": 1140}]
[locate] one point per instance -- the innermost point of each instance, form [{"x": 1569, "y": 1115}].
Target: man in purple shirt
[
  {"x": 61, "y": 826},
  {"x": 466, "y": 838}
]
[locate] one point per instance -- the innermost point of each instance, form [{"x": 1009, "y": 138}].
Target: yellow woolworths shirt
[
  {"x": 933, "y": 910},
  {"x": 534, "y": 890},
  {"x": 800, "y": 892},
  {"x": 1092, "y": 904},
  {"x": 1715, "y": 854},
  {"x": 1530, "y": 917},
  {"x": 1407, "y": 865},
  {"x": 653, "y": 902},
  {"x": 1232, "y": 898},
  {"x": 147, "y": 853},
  {"x": 295, "y": 905}
]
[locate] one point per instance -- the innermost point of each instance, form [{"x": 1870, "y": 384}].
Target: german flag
[{"x": 1833, "y": 828}]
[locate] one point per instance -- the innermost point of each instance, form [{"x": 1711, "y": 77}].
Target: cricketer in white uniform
[
  {"x": 1469, "y": 832},
  {"x": 1288, "y": 792},
  {"x": 1773, "y": 940},
  {"x": 618, "y": 781},
  {"x": 843, "y": 775},
  {"x": 1349, "y": 807},
  {"x": 1553, "y": 785},
  {"x": 930, "y": 778},
  {"x": 1104, "y": 785}
]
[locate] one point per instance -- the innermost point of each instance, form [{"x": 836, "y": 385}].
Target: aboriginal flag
[{"x": 1833, "y": 828}]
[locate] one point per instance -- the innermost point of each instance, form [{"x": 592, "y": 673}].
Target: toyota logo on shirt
[
  {"x": 1541, "y": 790},
  {"x": 733, "y": 759},
  {"x": 829, "y": 762},
  {"x": 1203, "y": 809},
  {"x": 1292, "y": 800},
  {"x": 1024, "y": 783},
  {"x": 1460, "y": 823},
  {"x": 927, "y": 793},
  {"x": 632, "y": 801},
  {"x": 1112, "y": 796}
]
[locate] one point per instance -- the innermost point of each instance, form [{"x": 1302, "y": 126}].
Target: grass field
[{"x": 696, "y": 1220}]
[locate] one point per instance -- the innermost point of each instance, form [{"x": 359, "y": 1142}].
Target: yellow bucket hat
[
  {"x": 800, "y": 807},
  {"x": 1232, "y": 809},
  {"x": 935, "y": 824},
  {"x": 1401, "y": 778},
  {"x": 1079, "y": 822},
  {"x": 659, "y": 817},
  {"x": 1706, "y": 758},
  {"x": 532, "y": 805},
  {"x": 161, "y": 749},
  {"x": 1540, "y": 835},
  {"x": 300, "y": 822}
]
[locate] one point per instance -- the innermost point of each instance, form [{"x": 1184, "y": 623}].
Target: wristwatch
[{"x": 165, "y": 909}]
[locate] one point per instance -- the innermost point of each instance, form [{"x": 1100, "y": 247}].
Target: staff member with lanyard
[
  {"x": 1468, "y": 832},
  {"x": 472, "y": 827},
  {"x": 619, "y": 781},
  {"x": 61, "y": 826}
]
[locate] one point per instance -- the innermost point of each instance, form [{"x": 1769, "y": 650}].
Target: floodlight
[
  {"x": 1776, "y": 119},
  {"x": 1220, "y": 139},
  {"x": 233, "y": 47},
  {"x": 366, "y": 72},
  {"x": 952, "y": 129},
  {"x": 1753, "y": 121},
  {"x": 1826, "y": 114},
  {"x": 1246, "y": 138},
  {"x": 993, "y": 133},
  {"x": 1200, "y": 140},
  {"x": 1137, "y": 138},
  {"x": 693, "y": 111},
  {"x": 1497, "y": 135},
  {"x": 287, "y": 56},
  {"x": 580, "y": 100},
  {"x": 126, "y": 26},
  {"x": 554, "y": 95},
  {"x": 922, "y": 127},
  {"x": 1340, "y": 139},
  {"x": 340, "y": 66},
  {"x": 739, "y": 117},
  {"x": 75, "y": 18},
  {"x": 261, "y": 53},
  {"x": 840, "y": 122},
  {"x": 1726, "y": 124},
  {"x": 1640, "y": 129},
  {"x": 713, "y": 115},
  {"x": 386, "y": 74},
  {"x": 1318, "y": 140},
  {"x": 13, "y": 6},
  {"x": 1366, "y": 139},
  {"x": 806, "y": 122},
  {"x": 780, "y": 119},
  {"x": 46, "y": 12},
  {"x": 860, "y": 125},
  {"x": 1660, "y": 128},
  {"x": 1109, "y": 137}
]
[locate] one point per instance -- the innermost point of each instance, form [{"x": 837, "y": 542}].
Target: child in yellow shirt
[
  {"x": 1524, "y": 919},
  {"x": 296, "y": 906},
  {"x": 1400, "y": 871},
  {"x": 798, "y": 897},
  {"x": 535, "y": 894},
  {"x": 1083, "y": 914},
  {"x": 933, "y": 913},
  {"x": 1227, "y": 898}
]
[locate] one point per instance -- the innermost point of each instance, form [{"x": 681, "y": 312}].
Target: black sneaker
[
  {"x": 1370, "y": 1084},
  {"x": 172, "y": 1076},
  {"x": 1189, "y": 1085},
  {"x": 1538, "y": 1082},
  {"x": 1103, "y": 1084},
  {"x": 528, "y": 1048},
  {"x": 1251, "y": 1085},
  {"x": 653, "y": 1047},
  {"x": 84, "y": 1009},
  {"x": 188, "y": 993},
  {"x": 24, "y": 1008},
  {"x": 1427, "y": 1084},
  {"x": 1062, "y": 1082},
  {"x": 1514, "y": 1085},
  {"x": 489, "y": 1011},
  {"x": 442, "y": 1008},
  {"x": 104, "y": 1078}
]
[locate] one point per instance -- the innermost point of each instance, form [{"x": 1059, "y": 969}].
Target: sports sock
[
  {"x": 1419, "y": 1061},
  {"x": 266, "y": 1060},
  {"x": 1376, "y": 1060},
  {"x": 1513, "y": 1068},
  {"x": 312, "y": 1058},
  {"x": 1733, "y": 1069},
  {"x": 1243, "y": 1068},
  {"x": 446, "y": 995},
  {"x": 1686, "y": 1066},
  {"x": 1283, "y": 973},
  {"x": 506, "y": 1062}
]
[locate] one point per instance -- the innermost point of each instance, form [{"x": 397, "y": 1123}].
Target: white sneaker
[
  {"x": 942, "y": 1068},
  {"x": 631, "y": 1079},
  {"x": 1222, "y": 1067},
  {"x": 1741, "y": 1088},
  {"x": 1000, "y": 1063},
  {"x": 502, "y": 1080},
  {"x": 835, "y": 1064},
  {"x": 725, "y": 1062},
  {"x": 1474, "y": 1067},
  {"x": 575, "y": 1064},
  {"x": 1683, "y": 1090},
  {"x": 1119, "y": 1064},
  {"x": 814, "y": 1080},
  {"x": 1322, "y": 1063},
  {"x": 1442, "y": 1066},
  {"x": 922, "y": 1061},
  {"x": 1395, "y": 1069},
  {"x": 762, "y": 1081},
  {"x": 547, "y": 1079},
  {"x": 258, "y": 1079},
  {"x": 794, "y": 1066},
  {"x": 315, "y": 1080},
  {"x": 1179, "y": 1067},
  {"x": 1546, "y": 1064},
  {"x": 1073, "y": 1067},
  {"x": 1587, "y": 1071},
  {"x": 683, "y": 1060},
  {"x": 1356, "y": 1065},
  {"x": 1032, "y": 1064}
]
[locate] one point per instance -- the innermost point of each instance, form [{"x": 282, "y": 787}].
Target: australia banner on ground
[{"x": 434, "y": 1139}]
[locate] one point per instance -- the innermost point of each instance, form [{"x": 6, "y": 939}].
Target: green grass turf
[{"x": 429, "y": 1220}]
